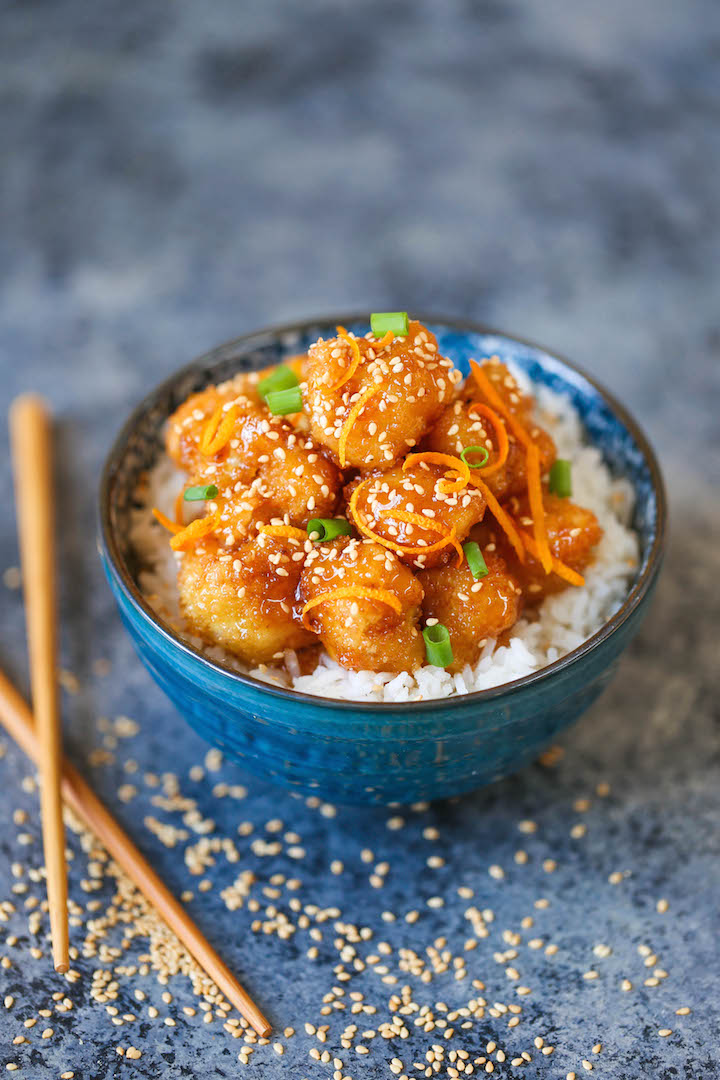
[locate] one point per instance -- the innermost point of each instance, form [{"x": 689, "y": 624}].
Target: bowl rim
[{"x": 476, "y": 697}]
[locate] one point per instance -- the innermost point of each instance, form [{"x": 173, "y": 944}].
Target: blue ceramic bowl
[{"x": 359, "y": 752}]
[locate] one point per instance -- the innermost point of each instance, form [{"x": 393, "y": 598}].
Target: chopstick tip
[
  {"x": 28, "y": 402},
  {"x": 62, "y": 968}
]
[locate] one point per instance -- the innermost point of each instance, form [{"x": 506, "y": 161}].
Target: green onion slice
[
  {"x": 438, "y": 649},
  {"x": 203, "y": 491},
  {"x": 561, "y": 479},
  {"x": 475, "y": 450},
  {"x": 382, "y": 321},
  {"x": 282, "y": 402},
  {"x": 282, "y": 378},
  {"x": 475, "y": 560},
  {"x": 328, "y": 529}
]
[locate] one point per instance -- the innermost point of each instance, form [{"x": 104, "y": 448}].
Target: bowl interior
[{"x": 607, "y": 424}]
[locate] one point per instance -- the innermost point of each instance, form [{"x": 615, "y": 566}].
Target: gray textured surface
[{"x": 173, "y": 175}]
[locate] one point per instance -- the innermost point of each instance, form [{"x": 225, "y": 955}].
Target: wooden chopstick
[
  {"x": 15, "y": 716},
  {"x": 31, "y": 438}
]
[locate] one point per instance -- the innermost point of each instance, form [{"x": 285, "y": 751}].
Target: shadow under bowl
[{"x": 367, "y": 752}]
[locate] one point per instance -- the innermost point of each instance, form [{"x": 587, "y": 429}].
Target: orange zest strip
[
  {"x": 504, "y": 520},
  {"x": 354, "y": 592},
  {"x": 354, "y": 363},
  {"x": 448, "y": 486},
  {"x": 352, "y": 417},
  {"x": 210, "y": 430},
  {"x": 218, "y": 430},
  {"x": 193, "y": 532},
  {"x": 387, "y": 339},
  {"x": 364, "y": 528},
  {"x": 559, "y": 568},
  {"x": 536, "y": 507},
  {"x": 165, "y": 521},
  {"x": 353, "y": 504},
  {"x": 452, "y": 484},
  {"x": 429, "y": 524},
  {"x": 533, "y": 464},
  {"x": 487, "y": 389},
  {"x": 417, "y": 519},
  {"x": 500, "y": 434},
  {"x": 287, "y": 531}
]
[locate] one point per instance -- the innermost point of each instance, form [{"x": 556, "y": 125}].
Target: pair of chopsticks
[{"x": 31, "y": 439}]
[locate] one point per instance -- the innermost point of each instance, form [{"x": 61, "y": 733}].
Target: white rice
[{"x": 564, "y": 620}]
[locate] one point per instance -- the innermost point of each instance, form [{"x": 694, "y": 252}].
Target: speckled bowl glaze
[{"x": 358, "y": 752}]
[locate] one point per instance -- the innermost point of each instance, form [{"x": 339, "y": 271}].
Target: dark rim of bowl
[{"x": 258, "y": 337}]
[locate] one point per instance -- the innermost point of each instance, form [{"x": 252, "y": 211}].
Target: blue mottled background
[{"x": 172, "y": 175}]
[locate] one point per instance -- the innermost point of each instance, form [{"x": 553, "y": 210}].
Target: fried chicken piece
[
  {"x": 573, "y": 533},
  {"x": 408, "y": 380},
  {"x": 298, "y": 480},
  {"x": 186, "y": 425},
  {"x": 417, "y": 491},
  {"x": 245, "y": 600},
  {"x": 459, "y": 427},
  {"x": 263, "y": 460},
  {"x": 472, "y": 611},
  {"x": 361, "y": 633}
]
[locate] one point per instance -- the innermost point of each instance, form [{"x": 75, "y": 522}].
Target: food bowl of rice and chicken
[{"x": 381, "y": 560}]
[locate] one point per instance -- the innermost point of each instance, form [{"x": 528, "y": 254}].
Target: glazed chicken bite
[
  {"x": 370, "y": 401},
  {"x": 298, "y": 480},
  {"x": 467, "y": 421},
  {"x": 573, "y": 533},
  {"x": 245, "y": 599},
  {"x": 252, "y": 458},
  {"x": 472, "y": 611},
  {"x": 364, "y": 604},
  {"x": 186, "y": 425},
  {"x": 412, "y": 509}
]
